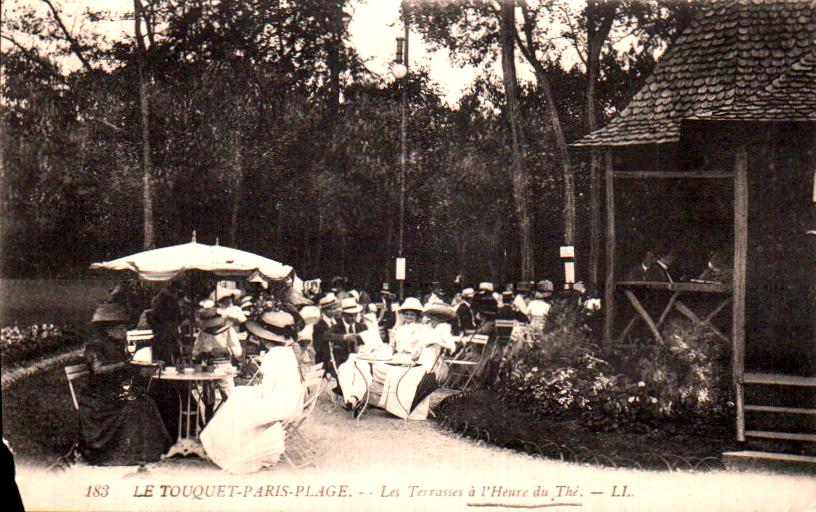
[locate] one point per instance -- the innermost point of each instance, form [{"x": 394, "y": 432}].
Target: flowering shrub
[
  {"x": 633, "y": 387},
  {"x": 19, "y": 344}
]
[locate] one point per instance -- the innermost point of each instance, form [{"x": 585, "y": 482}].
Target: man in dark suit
[
  {"x": 321, "y": 329},
  {"x": 344, "y": 336},
  {"x": 465, "y": 320}
]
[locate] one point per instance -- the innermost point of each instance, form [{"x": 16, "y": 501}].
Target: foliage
[
  {"x": 19, "y": 344},
  {"x": 630, "y": 387},
  {"x": 268, "y": 132}
]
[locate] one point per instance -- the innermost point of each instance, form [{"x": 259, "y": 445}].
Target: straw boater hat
[
  {"x": 440, "y": 312},
  {"x": 486, "y": 286},
  {"x": 350, "y": 306},
  {"x": 275, "y": 326},
  {"x": 468, "y": 293},
  {"x": 545, "y": 286},
  {"x": 209, "y": 320},
  {"x": 328, "y": 302},
  {"x": 110, "y": 313}
]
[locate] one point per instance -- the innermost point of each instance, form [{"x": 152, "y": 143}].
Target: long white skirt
[{"x": 236, "y": 440}]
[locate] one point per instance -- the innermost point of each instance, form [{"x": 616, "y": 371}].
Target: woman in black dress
[{"x": 117, "y": 426}]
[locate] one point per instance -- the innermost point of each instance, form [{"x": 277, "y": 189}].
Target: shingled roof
[
  {"x": 741, "y": 59},
  {"x": 791, "y": 97}
]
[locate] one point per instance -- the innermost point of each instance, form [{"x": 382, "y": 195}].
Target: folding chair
[
  {"x": 136, "y": 338},
  {"x": 73, "y": 373},
  {"x": 462, "y": 368},
  {"x": 296, "y": 443},
  {"x": 256, "y": 375}
]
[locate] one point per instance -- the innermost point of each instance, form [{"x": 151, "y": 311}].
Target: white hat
[
  {"x": 256, "y": 277},
  {"x": 486, "y": 286},
  {"x": 468, "y": 292},
  {"x": 411, "y": 304},
  {"x": 310, "y": 314},
  {"x": 440, "y": 311},
  {"x": 350, "y": 305}
]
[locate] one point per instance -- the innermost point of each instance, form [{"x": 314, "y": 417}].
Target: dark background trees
[{"x": 256, "y": 124}]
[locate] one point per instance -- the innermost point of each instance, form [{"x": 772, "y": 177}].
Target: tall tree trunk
[
  {"x": 147, "y": 188},
  {"x": 237, "y": 190},
  {"x": 528, "y": 49},
  {"x": 317, "y": 265},
  {"x": 334, "y": 45},
  {"x": 518, "y": 169},
  {"x": 598, "y": 28}
]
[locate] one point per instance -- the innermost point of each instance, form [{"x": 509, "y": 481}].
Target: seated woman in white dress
[
  {"x": 246, "y": 433},
  {"x": 356, "y": 379},
  {"x": 400, "y": 384}
]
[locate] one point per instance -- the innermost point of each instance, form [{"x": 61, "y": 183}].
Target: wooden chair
[
  {"x": 462, "y": 368},
  {"x": 72, "y": 373}
]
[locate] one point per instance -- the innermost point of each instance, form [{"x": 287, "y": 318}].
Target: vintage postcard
[{"x": 354, "y": 255}]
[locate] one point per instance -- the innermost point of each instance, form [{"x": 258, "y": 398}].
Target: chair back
[
  {"x": 136, "y": 336},
  {"x": 479, "y": 339},
  {"x": 504, "y": 328},
  {"x": 72, "y": 373}
]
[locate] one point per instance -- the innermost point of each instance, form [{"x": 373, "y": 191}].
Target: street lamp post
[{"x": 400, "y": 71}]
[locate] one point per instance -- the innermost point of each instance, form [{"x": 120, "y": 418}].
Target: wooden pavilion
[{"x": 727, "y": 121}]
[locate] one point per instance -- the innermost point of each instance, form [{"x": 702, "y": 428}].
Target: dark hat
[
  {"x": 110, "y": 313},
  {"x": 276, "y": 326},
  {"x": 486, "y": 304},
  {"x": 210, "y": 320}
]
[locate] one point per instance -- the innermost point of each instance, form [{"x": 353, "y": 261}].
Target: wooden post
[
  {"x": 740, "y": 263},
  {"x": 609, "y": 287}
]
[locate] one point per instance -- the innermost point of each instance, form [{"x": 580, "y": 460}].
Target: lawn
[
  {"x": 38, "y": 416},
  {"x": 57, "y": 301}
]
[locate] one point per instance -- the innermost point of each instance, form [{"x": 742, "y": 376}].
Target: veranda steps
[{"x": 780, "y": 410}]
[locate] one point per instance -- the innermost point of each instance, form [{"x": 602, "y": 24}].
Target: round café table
[
  {"x": 370, "y": 362},
  {"x": 189, "y": 428}
]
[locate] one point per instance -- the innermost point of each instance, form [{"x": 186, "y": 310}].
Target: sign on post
[
  {"x": 569, "y": 272},
  {"x": 400, "y": 269},
  {"x": 567, "y": 251}
]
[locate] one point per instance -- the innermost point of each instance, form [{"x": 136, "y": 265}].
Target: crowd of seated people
[{"x": 378, "y": 352}]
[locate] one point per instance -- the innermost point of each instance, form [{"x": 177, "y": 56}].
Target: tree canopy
[{"x": 266, "y": 131}]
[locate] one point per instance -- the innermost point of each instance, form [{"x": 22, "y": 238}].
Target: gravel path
[{"x": 429, "y": 469}]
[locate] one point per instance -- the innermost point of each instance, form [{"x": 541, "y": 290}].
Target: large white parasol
[{"x": 166, "y": 263}]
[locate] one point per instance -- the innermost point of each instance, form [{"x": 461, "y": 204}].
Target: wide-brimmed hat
[
  {"x": 110, "y": 313},
  {"x": 486, "y": 286},
  {"x": 310, "y": 314},
  {"x": 468, "y": 293},
  {"x": 277, "y": 326},
  {"x": 329, "y": 301},
  {"x": 209, "y": 319},
  {"x": 256, "y": 277},
  {"x": 411, "y": 304},
  {"x": 350, "y": 305},
  {"x": 441, "y": 312}
]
